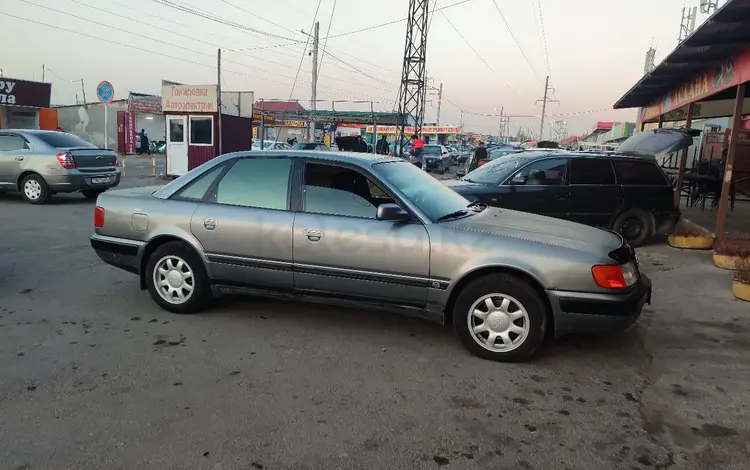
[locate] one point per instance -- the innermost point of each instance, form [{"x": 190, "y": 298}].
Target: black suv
[{"x": 627, "y": 192}]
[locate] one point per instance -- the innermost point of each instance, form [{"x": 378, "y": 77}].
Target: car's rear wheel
[
  {"x": 176, "y": 278},
  {"x": 92, "y": 193},
  {"x": 500, "y": 317},
  {"x": 635, "y": 225},
  {"x": 35, "y": 190}
]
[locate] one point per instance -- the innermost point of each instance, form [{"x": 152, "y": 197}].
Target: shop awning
[{"x": 721, "y": 37}]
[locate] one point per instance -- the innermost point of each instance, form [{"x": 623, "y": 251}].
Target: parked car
[
  {"x": 437, "y": 158},
  {"x": 270, "y": 145},
  {"x": 39, "y": 164},
  {"x": 369, "y": 231},
  {"x": 310, "y": 146},
  {"x": 628, "y": 192},
  {"x": 471, "y": 164}
]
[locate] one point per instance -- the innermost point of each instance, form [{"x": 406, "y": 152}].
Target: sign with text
[
  {"x": 144, "y": 104},
  {"x": 24, "y": 93},
  {"x": 410, "y": 130},
  {"x": 189, "y": 98},
  {"x": 295, "y": 124}
]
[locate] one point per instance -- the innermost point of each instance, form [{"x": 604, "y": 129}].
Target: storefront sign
[
  {"x": 24, "y": 93},
  {"x": 410, "y": 130},
  {"x": 722, "y": 76},
  {"x": 189, "y": 98},
  {"x": 267, "y": 119},
  {"x": 144, "y": 104},
  {"x": 353, "y": 126},
  {"x": 129, "y": 131},
  {"x": 295, "y": 124}
]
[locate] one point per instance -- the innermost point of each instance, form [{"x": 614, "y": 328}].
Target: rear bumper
[
  {"x": 580, "y": 312},
  {"x": 434, "y": 164},
  {"x": 79, "y": 181},
  {"x": 118, "y": 252}
]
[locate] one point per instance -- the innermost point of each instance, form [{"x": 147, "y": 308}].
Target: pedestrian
[
  {"x": 360, "y": 145},
  {"x": 417, "y": 149},
  {"x": 479, "y": 154},
  {"x": 382, "y": 147},
  {"x": 144, "y": 148}
]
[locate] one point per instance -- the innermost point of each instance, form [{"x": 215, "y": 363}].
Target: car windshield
[
  {"x": 62, "y": 140},
  {"x": 432, "y": 197},
  {"x": 496, "y": 171},
  {"x": 432, "y": 150}
]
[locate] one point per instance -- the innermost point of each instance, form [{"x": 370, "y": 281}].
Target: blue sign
[{"x": 105, "y": 92}]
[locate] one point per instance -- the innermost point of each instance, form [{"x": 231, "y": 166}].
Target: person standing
[
  {"x": 382, "y": 148},
  {"x": 417, "y": 149},
  {"x": 144, "y": 143},
  {"x": 479, "y": 154},
  {"x": 361, "y": 145}
]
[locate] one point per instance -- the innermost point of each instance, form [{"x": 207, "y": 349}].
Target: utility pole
[
  {"x": 544, "y": 101},
  {"x": 500, "y": 124},
  {"x": 314, "y": 94},
  {"x": 413, "y": 89},
  {"x": 83, "y": 90},
  {"x": 218, "y": 94},
  {"x": 440, "y": 102},
  {"x": 43, "y": 72}
]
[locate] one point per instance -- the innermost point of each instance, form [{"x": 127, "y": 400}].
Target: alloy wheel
[
  {"x": 498, "y": 322},
  {"x": 32, "y": 189},
  {"x": 173, "y": 279}
]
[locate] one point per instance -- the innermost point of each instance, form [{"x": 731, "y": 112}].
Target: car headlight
[{"x": 612, "y": 276}]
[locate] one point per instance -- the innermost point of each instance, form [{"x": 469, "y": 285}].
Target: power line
[
  {"x": 325, "y": 41},
  {"x": 258, "y": 16},
  {"x": 359, "y": 71},
  {"x": 467, "y": 42},
  {"x": 544, "y": 36},
  {"x": 513, "y": 35},
  {"x": 60, "y": 78}
]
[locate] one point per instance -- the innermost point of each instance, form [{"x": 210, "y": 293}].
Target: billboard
[{"x": 189, "y": 98}]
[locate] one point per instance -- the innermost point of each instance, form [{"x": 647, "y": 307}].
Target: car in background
[
  {"x": 627, "y": 193},
  {"x": 503, "y": 279},
  {"x": 472, "y": 164},
  {"x": 39, "y": 164},
  {"x": 270, "y": 145},
  {"x": 436, "y": 158},
  {"x": 310, "y": 146}
]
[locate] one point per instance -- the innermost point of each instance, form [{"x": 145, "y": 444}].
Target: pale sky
[{"x": 596, "y": 51}]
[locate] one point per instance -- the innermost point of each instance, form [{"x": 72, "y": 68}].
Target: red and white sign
[
  {"x": 129, "y": 131},
  {"x": 189, "y": 98}
]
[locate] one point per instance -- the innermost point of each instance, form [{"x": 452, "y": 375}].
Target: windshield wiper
[
  {"x": 467, "y": 180},
  {"x": 453, "y": 215},
  {"x": 478, "y": 205}
]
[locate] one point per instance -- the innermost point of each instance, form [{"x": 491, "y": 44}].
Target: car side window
[
  {"x": 639, "y": 173},
  {"x": 198, "y": 187},
  {"x": 256, "y": 182},
  {"x": 11, "y": 142},
  {"x": 591, "y": 171},
  {"x": 335, "y": 190},
  {"x": 549, "y": 172}
]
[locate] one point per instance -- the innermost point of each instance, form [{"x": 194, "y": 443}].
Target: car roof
[
  {"x": 29, "y": 131},
  {"x": 354, "y": 158},
  {"x": 548, "y": 153}
]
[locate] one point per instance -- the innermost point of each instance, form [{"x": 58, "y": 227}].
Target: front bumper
[
  {"x": 80, "y": 181},
  {"x": 118, "y": 252},
  {"x": 581, "y": 312},
  {"x": 432, "y": 163}
]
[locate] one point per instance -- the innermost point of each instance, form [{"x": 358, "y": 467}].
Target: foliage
[
  {"x": 742, "y": 271},
  {"x": 733, "y": 247},
  {"x": 685, "y": 228}
]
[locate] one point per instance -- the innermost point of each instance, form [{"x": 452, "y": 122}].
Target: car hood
[
  {"x": 541, "y": 229},
  {"x": 658, "y": 142},
  {"x": 460, "y": 185}
]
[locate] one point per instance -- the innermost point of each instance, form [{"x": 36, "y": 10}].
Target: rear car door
[
  {"x": 14, "y": 153},
  {"x": 595, "y": 198},
  {"x": 645, "y": 186},
  {"x": 540, "y": 188},
  {"x": 341, "y": 249},
  {"x": 245, "y": 224}
]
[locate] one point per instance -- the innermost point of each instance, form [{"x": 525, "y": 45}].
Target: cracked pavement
[{"x": 94, "y": 375}]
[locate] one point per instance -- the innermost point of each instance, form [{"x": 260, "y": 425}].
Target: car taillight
[
  {"x": 66, "y": 160},
  {"x": 480, "y": 163},
  {"x": 614, "y": 276},
  {"x": 98, "y": 217},
  {"x": 117, "y": 162}
]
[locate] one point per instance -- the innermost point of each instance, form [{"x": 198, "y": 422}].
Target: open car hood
[{"x": 658, "y": 142}]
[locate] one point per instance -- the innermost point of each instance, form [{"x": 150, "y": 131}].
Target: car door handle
[
  {"x": 561, "y": 196},
  {"x": 19, "y": 159},
  {"x": 313, "y": 235},
  {"x": 209, "y": 224}
]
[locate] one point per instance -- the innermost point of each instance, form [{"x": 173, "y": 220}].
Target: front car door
[
  {"x": 341, "y": 249},
  {"x": 540, "y": 187},
  {"x": 245, "y": 223},
  {"x": 595, "y": 198},
  {"x": 14, "y": 153}
]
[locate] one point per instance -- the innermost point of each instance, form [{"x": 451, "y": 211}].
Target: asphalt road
[{"x": 93, "y": 375}]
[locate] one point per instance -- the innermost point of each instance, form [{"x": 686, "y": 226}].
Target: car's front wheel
[
  {"x": 176, "y": 278},
  {"x": 500, "y": 317},
  {"x": 35, "y": 190}
]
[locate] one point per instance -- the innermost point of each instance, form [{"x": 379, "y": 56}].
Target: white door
[{"x": 177, "y": 145}]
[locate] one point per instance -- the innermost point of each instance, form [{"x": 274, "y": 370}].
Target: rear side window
[
  {"x": 198, "y": 187},
  {"x": 639, "y": 173},
  {"x": 62, "y": 140},
  {"x": 12, "y": 142},
  {"x": 591, "y": 171},
  {"x": 256, "y": 182}
]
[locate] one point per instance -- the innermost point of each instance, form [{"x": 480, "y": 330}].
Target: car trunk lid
[
  {"x": 93, "y": 159},
  {"x": 658, "y": 142}
]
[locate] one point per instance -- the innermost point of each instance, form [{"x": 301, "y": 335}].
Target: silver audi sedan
[{"x": 369, "y": 231}]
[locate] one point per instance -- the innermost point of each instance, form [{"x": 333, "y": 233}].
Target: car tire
[
  {"x": 92, "y": 193},
  {"x": 635, "y": 225},
  {"x": 35, "y": 190},
  {"x": 194, "y": 285},
  {"x": 519, "y": 324}
]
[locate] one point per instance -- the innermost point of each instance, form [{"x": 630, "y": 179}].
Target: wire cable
[
  {"x": 59, "y": 77},
  {"x": 513, "y": 35},
  {"x": 325, "y": 41},
  {"x": 544, "y": 37}
]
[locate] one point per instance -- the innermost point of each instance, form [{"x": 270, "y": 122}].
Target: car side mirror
[
  {"x": 392, "y": 213},
  {"x": 517, "y": 180}
]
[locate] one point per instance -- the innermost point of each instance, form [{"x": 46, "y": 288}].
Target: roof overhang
[{"x": 715, "y": 58}]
